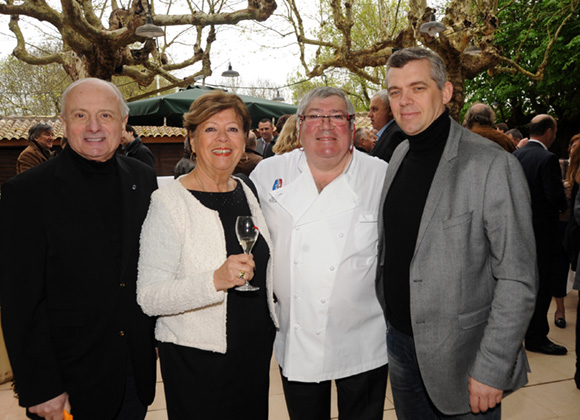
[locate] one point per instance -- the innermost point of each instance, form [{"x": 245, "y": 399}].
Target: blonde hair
[
  {"x": 211, "y": 103},
  {"x": 288, "y": 138}
]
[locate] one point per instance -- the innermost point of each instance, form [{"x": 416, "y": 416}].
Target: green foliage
[
  {"x": 358, "y": 89},
  {"x": 374, "y": 21},
  {"x": 36, "y": 90},
  {"x": 30, "y": 90},
  {"x": 526, "y": 28}
]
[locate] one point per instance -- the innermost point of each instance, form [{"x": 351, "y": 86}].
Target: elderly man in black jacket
[{"x": 69, "y": 240}]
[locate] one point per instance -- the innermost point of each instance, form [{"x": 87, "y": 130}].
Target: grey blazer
[{"x": 473, "y": 276}]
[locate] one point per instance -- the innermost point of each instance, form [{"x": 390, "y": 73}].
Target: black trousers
[
  {"x": 360, "y": 397},
  {"x": 537, "y": 333}
]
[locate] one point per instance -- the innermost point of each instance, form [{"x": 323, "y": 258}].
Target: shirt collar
[
  {"x": 539, "y": 142},
  {"x": 382, "y": 130}
]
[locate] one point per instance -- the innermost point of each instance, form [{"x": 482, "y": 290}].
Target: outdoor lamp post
[
  {"x": 230, "y": 72},
  {"x": 149, "y": 30},
  {"x": 472, "y": 49},
  {"x": 433, "y": 27}
]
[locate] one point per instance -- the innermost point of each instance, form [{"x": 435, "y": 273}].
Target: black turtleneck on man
[{"x": 402, "y": 213}]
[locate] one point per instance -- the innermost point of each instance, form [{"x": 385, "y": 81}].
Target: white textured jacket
[{"x": 182, "y": 244}]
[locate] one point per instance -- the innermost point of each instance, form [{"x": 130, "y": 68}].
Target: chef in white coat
[{"x": 321, "y": 204}]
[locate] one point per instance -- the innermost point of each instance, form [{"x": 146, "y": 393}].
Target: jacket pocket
[
  {"x": 457, "y": 220},
  {"x": 473, "y": 319}
]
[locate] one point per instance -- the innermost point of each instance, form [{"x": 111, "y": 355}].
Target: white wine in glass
[{"x": 247, "y": 234}]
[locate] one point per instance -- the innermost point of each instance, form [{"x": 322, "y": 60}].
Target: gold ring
[{"x": 242, "y": 275}]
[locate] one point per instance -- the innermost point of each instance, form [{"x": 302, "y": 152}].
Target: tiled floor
[{"x": 550, "y": 393}]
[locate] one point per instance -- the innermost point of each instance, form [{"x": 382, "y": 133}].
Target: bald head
[
  {"x": 543, "y": 128},
  {"x": 480, "y": 114},
  {"x": 251, "y": 141},
  {"x": 124, "y": 109}
]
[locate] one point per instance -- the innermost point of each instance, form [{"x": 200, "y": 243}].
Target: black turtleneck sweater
[
  {"x": 402, "y": 213},
  {"x": 103, "y": 183}
]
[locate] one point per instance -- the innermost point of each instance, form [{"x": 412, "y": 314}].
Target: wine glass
[{"x": 247, "y": 234}]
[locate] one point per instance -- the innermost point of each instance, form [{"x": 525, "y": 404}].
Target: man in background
[
  {"x": 266, "y": 130},
  {"x": 389, "y": 135},
  {"x": 542, "y": 169},
  {"x": 134, "y": 147},
  {"x": 480, "y": 119},
  {"x": 40, "y": 139},
  {"x": 363, "y": 140},
  {"x": 250, "y": 158}
]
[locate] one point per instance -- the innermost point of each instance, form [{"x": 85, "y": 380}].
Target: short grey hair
[
  {"x": 402, "y": 57},
  {"x": 324, "y": 92},
  {"x": 383, "y": 95},
  {"x": 36, "y": 130},
  {"x": 479, "y": 113},
  {"x": 359, "y": 135},
  {"x": 122, "y": 104}
]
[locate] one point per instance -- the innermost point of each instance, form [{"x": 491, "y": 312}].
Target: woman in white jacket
[{"x": 215, "y": 343}]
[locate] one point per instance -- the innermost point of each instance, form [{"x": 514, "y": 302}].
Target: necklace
[{"x": 197, "y": 181}]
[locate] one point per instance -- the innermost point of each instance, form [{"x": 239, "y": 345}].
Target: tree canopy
[
  {"x": 360, "y": 36},
  {"x": 31, "y": 90},
  {"x": 98, "y": 38},
  {"x": 516, "y": 96}
]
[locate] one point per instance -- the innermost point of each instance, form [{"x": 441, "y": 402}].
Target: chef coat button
[
  {"x": 318, "y": 332},
  {"x": 296, "y": 327},
  {"x": 295, "y": 262},
  {"x": 296, "y": 296},
  {"x": 296, "y": 227},
  {"x": 340, "y": 235},
  {"x": 322, "y": 300},
  {"x": 122, "y": 333},
  {"x": 331, "y": 268}
]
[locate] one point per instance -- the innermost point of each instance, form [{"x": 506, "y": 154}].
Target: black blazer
[
  {"x": 542, "y": 170},
  {"x": 69, "y": 312},
  {"x": 388, "y": 142}
]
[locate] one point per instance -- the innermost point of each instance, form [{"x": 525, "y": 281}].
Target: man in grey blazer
[{"x": 456, "y": 298}]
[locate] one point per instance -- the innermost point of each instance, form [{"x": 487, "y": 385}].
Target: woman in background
[{"x": 288, "y": 138}]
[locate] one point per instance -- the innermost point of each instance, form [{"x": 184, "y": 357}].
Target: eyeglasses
[{"x": 338, "y": 120}]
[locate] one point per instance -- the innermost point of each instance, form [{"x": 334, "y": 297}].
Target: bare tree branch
[{"x": 92, "y": 49}]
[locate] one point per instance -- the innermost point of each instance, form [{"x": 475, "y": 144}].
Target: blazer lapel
[{"x": 440, "y": 179}]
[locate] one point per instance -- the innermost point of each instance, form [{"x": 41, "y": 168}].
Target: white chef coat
[{"x": 325, "y": 256}]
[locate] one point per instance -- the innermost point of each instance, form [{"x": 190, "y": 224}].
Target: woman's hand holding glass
[{"x": 234, "y": 271}]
